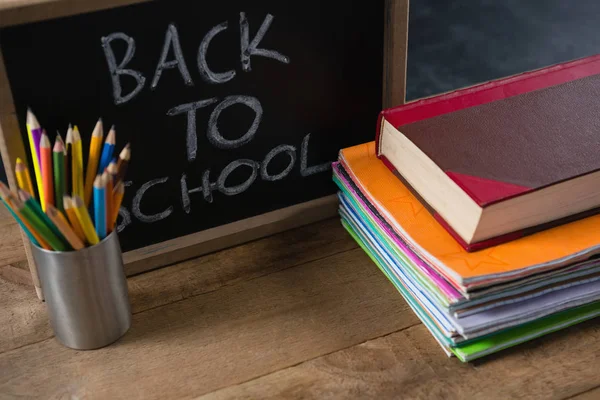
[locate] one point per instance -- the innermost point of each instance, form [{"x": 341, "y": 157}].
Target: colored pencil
[
  {"x": 77, "y": 164},
  {"x": 113, "y": 171},
  {"x": 72, "y": 217},
  {"x": 108, "y": 192},
  {"x": 20, "y": 221},
  {"x": 100, "y": 206},
  {"x": 118, "y": 194},
  {"x": 10, "y": 202},
  {"x": 124, "y": 158},
  {"x": 23, "y": 177},
  {"x": 41, "y": 227},
  {"x": 46, "y": 167},
  {"x": 64, "y": 228},
  {"x": 35, "y": 134},
  {"x": 27, "y": 228},
  {"x": 93, "y": 159},
  {"x": 31, "y": 203},
  {"x": 69, "y": 160},
  {"x": 107, "y": 150},
  {"x": 85, "y": 221},
  {"x": 58, "y": 156}
]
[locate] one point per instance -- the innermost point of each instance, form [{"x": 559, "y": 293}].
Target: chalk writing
[
  {"x": 251, "y": 170},
  {"x": 205, "y": 72},
  {"x": 117, "y": 70},
  {"x": 305, "y": 170},
  {"x": 191, "y": 136},
  {"x": 287, "y": 149},
  {"x": 172, "y": 41},
  {"x": 250, "y": 49},
  {"x": 215, "y": 137},
  {"x": 137, "y": 200}
]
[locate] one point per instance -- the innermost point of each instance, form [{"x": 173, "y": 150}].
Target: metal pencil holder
[{"x": 86, "y": 293}]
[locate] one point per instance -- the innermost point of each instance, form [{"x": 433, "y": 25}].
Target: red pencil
[{"x": 46, "y": 167}]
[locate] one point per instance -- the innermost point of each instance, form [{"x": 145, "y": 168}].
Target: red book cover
[{"x": 456, "y": 131}]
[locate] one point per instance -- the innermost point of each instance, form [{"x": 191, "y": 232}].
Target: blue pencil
[
  {"x": 107, "y": 150},
  {"x": 100, "y": 206}
]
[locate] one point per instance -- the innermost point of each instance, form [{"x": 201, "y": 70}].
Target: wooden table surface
[{"x": 303, "y": 314}]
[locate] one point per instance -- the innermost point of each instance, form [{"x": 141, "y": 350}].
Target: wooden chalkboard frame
[{"x": 16, "y": 12}]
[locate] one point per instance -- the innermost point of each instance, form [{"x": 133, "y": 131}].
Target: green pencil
[
  {"x": 42, "y": 229},
  {"x": 37, "y": 210},
  {"x": 58, "y": 157}
]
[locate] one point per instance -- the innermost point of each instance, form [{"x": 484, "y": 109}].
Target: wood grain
[
  {"x": 12, "y": 273},
  {"x": 395, "y": 52},
  {"x": 224, "y": 236},
  {"x": 15, "y": 12},
  {"x": 303, "y": 314},
  {"x": 409, "y": 365},
  {"x": 592, "y": 394},
  {"x": 195, "y": 277},
  {"x": 22, "y": 317},
  {"x": 220, "y": 338},
  {"x": 11, "y": 244}
]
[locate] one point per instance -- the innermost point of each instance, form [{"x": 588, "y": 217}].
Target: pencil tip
[
  {"x": 77, "y": 202},
  {"x": 98, "y": 180},
  {"x": 44, "y": 141},
  {"x": 23, "y": 195},
  {"x": 32, "y": 120},
  {"x": 58, "y": 145}
]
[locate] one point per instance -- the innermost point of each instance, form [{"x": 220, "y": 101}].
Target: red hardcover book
[{"x": 504, "y": 159}]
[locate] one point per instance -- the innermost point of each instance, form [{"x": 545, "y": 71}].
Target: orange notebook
[{"x": 543, "y": 251}]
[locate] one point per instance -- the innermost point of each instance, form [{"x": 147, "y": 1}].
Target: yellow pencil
[
  {"x": 64, "y": 227},
  {"x": 84, "y": 219},
  {"x": 35, "y": 134},
  {"x": 77, "y": 167},
  {"x": 72, "y": 216},
  {"x": 94, "y": 157},
  {"x": 23, "y": 177}
]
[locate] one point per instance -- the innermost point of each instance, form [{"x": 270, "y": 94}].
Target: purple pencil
[{"x": 35, "y": 135}]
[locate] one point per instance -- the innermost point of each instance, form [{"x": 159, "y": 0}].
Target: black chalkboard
[{"x": 308, "y": 84}]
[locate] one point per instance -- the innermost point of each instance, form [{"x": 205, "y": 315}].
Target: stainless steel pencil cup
[{"x": 86, "y": 293}]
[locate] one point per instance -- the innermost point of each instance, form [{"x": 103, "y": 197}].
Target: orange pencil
[
  {"x": 118, "y": 193},
  {"x": 64, "y": 228},
  {"x": 93, "y": 159},
  {"x": 107, "y": 177},
  {"x": 46, "y": 167},
  {"x": 72, "y": 216}
]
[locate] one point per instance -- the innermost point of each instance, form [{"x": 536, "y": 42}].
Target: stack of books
[{"x": 481, "y": 206}]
